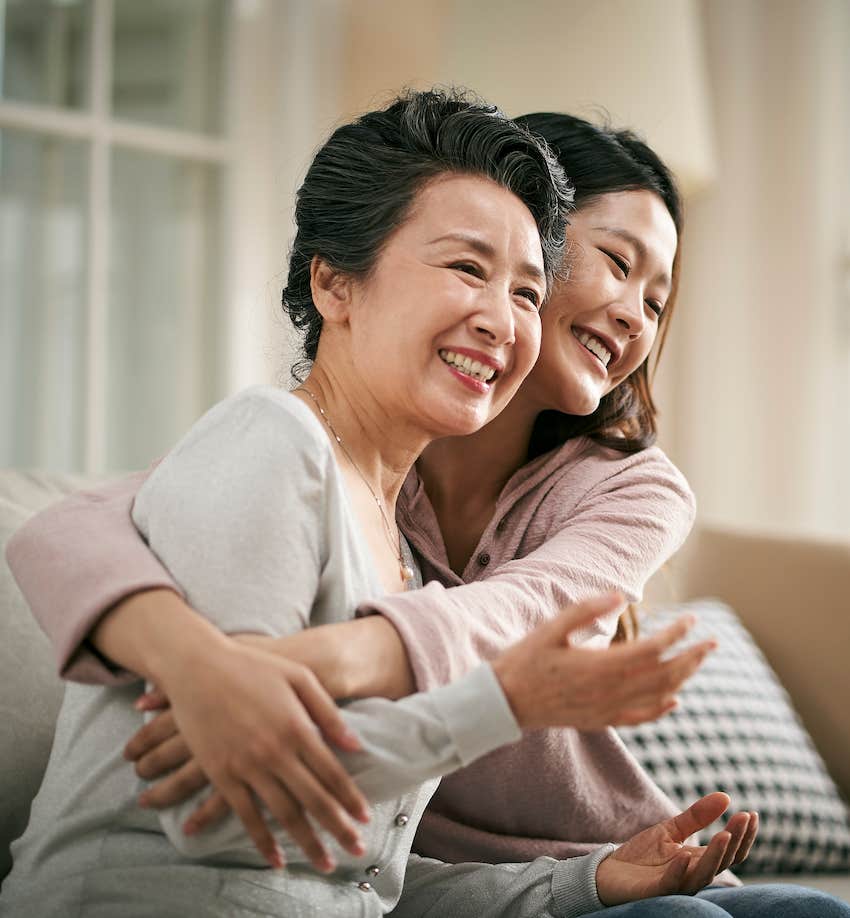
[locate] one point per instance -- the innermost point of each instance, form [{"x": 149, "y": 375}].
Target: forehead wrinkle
[
  {"x": 483, "y": 247},
  {"x": 639, "y": 247}
]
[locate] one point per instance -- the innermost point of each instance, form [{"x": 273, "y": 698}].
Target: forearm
[
  {"x": 543, "y": 887},
  {"x": 152, "y": 634},
  {"x": 361, "y": 658}
]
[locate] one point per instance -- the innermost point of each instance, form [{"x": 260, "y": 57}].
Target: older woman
[{"x": 276, "y": 512}]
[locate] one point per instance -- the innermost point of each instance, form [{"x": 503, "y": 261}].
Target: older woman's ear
[{"x": 331, "y": 290}]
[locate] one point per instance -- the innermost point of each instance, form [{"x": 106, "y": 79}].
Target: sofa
[{"x": 791, "y": 594}]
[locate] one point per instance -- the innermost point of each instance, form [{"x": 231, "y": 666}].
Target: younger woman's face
[
  {"x": 600, "y": 324},
  {"x": 447, "y": 324}
]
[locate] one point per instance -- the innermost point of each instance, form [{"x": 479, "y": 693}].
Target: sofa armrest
[{"x": 793, "y": 594}]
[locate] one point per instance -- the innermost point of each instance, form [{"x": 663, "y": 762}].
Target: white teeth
[
  {"x": 594, "y": 345},
  {"x": 467, "y": 365}
]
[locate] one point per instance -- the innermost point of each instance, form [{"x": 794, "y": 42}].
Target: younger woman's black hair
[
  {"x": 364, "y": 179},
  {"x": 600, "y": 161}
]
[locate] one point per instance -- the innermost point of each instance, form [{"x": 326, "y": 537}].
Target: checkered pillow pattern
[{"x": 736, "y": 731}]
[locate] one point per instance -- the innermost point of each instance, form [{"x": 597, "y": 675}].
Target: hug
[{"x": 383, "y": 610}]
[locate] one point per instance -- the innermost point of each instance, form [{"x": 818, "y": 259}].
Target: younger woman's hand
[
  {"x": 254, "y": 723},
  {"x": 657, "y": 862},
  {"x": 549, "y": 682}
]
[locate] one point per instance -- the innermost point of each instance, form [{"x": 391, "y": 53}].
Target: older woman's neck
[{"x": 361, "y": 433}]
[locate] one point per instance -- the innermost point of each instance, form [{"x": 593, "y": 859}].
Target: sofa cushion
[
  {"x": 31, "y": 691},
  {"x": 736, "y": 731}
]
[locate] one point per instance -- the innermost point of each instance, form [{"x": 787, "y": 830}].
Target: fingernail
[
  {"x": 190, "y": 827},
  {"x": 144, "y": 801},
  {"x": 363, "y": 815},
  {"x": 276, "y": 859}
]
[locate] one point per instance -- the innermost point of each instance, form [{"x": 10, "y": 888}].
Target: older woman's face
[
  {"x": 600, "y": 324},
  {"x": 447, "y": 325}
]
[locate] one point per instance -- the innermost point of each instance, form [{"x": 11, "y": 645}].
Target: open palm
[{"x": 658, "y": 862}]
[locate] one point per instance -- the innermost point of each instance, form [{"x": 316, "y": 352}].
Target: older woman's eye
[
  {"x": 467, "y": 268},
  {"x": 619, "y": 261},
  {"x": 531, "y": 295}
]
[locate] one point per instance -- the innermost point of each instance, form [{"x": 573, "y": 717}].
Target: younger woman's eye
[
  {"x": 619, "y": 261},
  {"x": 656, "y": 307}
]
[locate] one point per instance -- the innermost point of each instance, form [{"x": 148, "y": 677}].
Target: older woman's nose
[{"x": 495, "y": 319}]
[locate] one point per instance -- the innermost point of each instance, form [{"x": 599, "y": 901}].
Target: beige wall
[
  {"x": 749, "y": 101},
  {"x": 757, "y": 393}
]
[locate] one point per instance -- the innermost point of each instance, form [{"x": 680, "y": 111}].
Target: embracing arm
[
  {"x": 627, "y": 524},
  {"x": 78, "y": 559},
  {"x": 107, "y": 603}
]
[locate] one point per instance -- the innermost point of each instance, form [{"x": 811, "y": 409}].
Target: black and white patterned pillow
[{"x": 736, "y": 731}]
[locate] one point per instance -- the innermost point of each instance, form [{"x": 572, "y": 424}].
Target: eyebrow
[
  {"x": 483, "y": 247},
  {"x": 638, "y": 246}
]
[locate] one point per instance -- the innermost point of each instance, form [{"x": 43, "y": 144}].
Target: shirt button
[
  {"x": 364, "y": 886},
  {"x": 484, "y": 559},
  {"x": 402, "y": 820},
  {"x": 373, "y": 871}
]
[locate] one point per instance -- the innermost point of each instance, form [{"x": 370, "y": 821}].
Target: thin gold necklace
[{"x": 405, "y": 570}]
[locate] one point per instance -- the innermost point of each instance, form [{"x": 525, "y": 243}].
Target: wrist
[
  {"x": 152, "y": 633},
  {"x": 505, "y": 672}
]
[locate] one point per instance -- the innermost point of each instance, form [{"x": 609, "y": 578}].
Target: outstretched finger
[
  {"x": 646, "y": 684},
  {"x": 146, "y": 738},
  {"x": 334, "y": 779},
  {"x": 707, "y": 866},
  {"x": 322, "y": 805},
  {"x": 632, "y": 716},
  {"x": 737, "y": 827},
  {"x": 748, "y": 839},
  {"x": 244, "y": 804},
  {"x": 584, "y": 613},
  {"x": 650, "y": 649},
  {"x": 323, "y": 711},
  {"x": 289, "y": 814},
  {"x": 698, "y": 815}
]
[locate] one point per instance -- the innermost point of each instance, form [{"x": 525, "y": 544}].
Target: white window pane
[
  {"x": 43, "y": 185},
  {"x": 164, "y": 303},
  {"x": 168, "y": 63},
  {"x": 45, "y": 51}
]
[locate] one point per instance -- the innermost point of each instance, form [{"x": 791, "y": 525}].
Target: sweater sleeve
[
  {"x": 627, "y": 524},
  {"x": 543, "y": 888},
  {"x": 74, "y": 561}
]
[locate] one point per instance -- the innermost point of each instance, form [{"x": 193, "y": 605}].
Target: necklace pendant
[{"x": 407, "y": 574}]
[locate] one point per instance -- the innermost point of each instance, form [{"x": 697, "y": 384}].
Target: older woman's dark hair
[
  {"x": 599, "y": 161},
  {"x": 362, "y": 182}
]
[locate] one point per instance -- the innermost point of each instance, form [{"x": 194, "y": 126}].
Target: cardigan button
[
  {"x": 373, "y": 870},
  {"x": 364, "y": 886},
  {"x": 402, "y": 820},
  {"x": 484, "y": 558}
]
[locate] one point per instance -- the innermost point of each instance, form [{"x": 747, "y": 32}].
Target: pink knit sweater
[{"x": 572, "y": 523}]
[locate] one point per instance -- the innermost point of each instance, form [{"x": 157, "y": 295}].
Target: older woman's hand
[
  {"x": 550, "y": 682},
  {"x": 658, "y": 862},
  {"x": 254, "y": 723}
]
